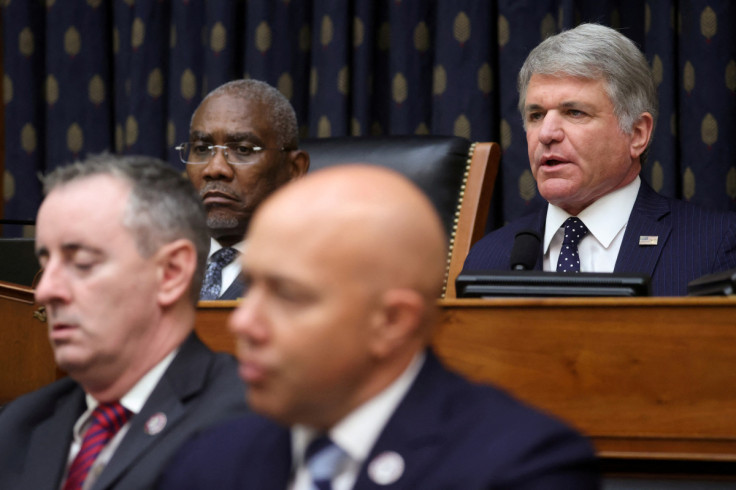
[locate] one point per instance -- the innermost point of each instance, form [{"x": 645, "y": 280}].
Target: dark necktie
[
  {"x": 106, "y": 420},
  {"x": 569, "y": 260},
  {"x": 213, "y": 275},
  {"x": 323, "y": 459}
]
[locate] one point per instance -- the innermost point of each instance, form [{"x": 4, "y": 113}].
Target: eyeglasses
[{"x": 235, "y": 153}]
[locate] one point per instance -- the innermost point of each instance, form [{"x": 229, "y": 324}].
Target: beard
[{"x": 219, "y": 222}]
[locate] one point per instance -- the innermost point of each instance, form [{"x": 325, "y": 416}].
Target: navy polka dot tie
[
  {"x": 213, "y": 275},
  {"x": 569, "y": 260}
]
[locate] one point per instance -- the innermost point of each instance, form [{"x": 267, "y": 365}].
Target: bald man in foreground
[{"x": 344, "y": 268}]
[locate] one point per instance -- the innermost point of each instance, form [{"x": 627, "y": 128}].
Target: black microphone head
[{"x": 526, "y": 250}]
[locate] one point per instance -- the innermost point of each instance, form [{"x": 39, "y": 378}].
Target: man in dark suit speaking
[
  {"x": 343, "y": 270},
  {"x": 589, "y": 104},
  {"x": 122, "y": 242}
]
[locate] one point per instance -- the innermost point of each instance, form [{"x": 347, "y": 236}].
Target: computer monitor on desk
[
  {"x": 716, "y": 284},
  {"x": 490, "y": 284}
]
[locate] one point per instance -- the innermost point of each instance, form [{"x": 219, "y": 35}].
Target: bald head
[
  {"x": 385, "y": 227},
  {"x": 344, "y": 267}
]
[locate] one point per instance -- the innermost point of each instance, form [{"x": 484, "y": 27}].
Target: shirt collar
[
  {"x": 358, "y": 431},
  {"x": 604, "y": 218},
  {"x": 215, "y": 246},
  {"x": 136, "y": 397}
]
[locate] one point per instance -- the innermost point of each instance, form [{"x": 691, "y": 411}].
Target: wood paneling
[
  {"x": 645, "y": 378},
  {"x": 26, "y": 360},
  {"x": 648, "y": 379}
]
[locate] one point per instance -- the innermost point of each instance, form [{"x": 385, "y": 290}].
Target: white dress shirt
[
  {"x": 355, "y": 434},
  {"x": 232, "y": 270},
  {"x": 606, "y": 221},
  {"x": 133, "y": 400}
]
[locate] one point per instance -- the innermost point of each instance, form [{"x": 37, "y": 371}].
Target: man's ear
[
  {"x": 641, "y": 133},
  {"x": 176, "y": 262},
  {"x": 299, "y": 163},
  {"x": 398, "y": 321}
]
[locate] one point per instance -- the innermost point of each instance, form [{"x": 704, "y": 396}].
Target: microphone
[{"x": 525, "y": 250}]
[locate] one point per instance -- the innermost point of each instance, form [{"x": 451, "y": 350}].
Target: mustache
[
  {"x": 215, "y": 187},
  {"x": 55, "y": 317}
]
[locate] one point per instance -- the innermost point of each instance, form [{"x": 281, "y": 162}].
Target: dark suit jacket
[
  {"x": 451, "y": 434},
  {"x": 692, "y": 242},
  {"x": 235, "y": 290},
  {"x": 198, "y": 389}
]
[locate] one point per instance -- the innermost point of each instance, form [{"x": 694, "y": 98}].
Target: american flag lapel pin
[{"x": 648, "y": 240}]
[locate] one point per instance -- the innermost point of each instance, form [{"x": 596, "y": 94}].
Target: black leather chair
[
  {"x": 457, "y": 175},
  {"x": 18, "y": 263}
]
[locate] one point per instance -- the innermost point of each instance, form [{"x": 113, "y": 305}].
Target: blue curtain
[{"x": 125, "y": 75}]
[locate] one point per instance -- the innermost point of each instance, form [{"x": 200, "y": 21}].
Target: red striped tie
[{"x": 107, "y": 419}]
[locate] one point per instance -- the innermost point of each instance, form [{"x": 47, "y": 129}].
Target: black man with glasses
[{"x": 243, "y": 144}]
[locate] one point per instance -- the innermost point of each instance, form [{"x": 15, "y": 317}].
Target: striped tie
[
  {"x": 324, "y": 459},
  {"x": 107, "y": 419}
]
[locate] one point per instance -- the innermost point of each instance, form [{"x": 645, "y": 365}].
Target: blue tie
[
  {"x": 569, "y": 260},
  {"x": 213, "y": 275},
  {"x": 323, "y": 458}
]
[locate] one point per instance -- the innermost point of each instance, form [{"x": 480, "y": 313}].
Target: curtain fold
[{"x": 125, "y": 76}]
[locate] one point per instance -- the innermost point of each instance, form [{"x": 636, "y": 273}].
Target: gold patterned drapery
[{"x": 86, "y": 76}]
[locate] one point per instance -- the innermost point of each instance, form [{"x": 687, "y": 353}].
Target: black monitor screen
[
  {"x": 488, "y": 284},
  {"x": 715, "y": 284}
]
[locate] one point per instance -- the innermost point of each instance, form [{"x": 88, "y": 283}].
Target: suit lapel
[
  {"x": 271, "y": 466},
  {"x": 541, "y": 220},
  {"x": 647, "y": 220},
  {"x": 414, "y": 433},
  {"x": 235, "y": 290},
  {"x": 50, "y": 442},
  {"x": 184, "y": 377}
]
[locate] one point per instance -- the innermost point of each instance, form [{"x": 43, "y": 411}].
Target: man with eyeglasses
[{"x": 243, "y": 144}]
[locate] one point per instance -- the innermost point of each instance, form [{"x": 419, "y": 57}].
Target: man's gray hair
[
  {"x": 596, "y": 52},
  {"x": 280, "y": 116},
  {"x": 163, "y": 205}
]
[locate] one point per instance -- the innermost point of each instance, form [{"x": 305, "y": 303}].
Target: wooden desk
[
  {"x": 649, "y": 378},
  {"x": 26, "y": 360}
]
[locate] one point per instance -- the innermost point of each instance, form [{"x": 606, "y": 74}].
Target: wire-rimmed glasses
[{"x": 239, "y": 153}]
